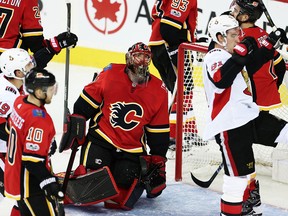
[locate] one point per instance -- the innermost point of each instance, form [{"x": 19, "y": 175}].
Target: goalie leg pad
[
  {"x": 127, "y": 197},
  {"x": 91, "y": 188}
]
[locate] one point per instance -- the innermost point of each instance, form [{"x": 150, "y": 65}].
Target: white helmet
[
  {"x": 16, "y": 59},
  {"x": 220, "y": 25}
]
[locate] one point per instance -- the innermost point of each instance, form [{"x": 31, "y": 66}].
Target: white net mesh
[{"x": 202, "y": 157}]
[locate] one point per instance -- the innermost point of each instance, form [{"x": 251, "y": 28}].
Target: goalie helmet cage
[{"x": 192, "y": 153}]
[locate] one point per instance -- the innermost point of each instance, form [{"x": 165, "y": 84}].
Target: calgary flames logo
[
  {"x": 125, "y": 115},
  {"x": 106, "y": 16}
]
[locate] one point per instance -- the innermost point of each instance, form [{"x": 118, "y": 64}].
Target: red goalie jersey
[
  {"x": 125, "y": 115},
  {"x": 19, "y": 20},
  {"x": 29, "y": 141}
]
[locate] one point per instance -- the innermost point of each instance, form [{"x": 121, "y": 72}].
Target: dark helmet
[
  {"x": 250, "y": 7},
  {"x": 38, "y": 78},
  {"x": 138, "y": 59}
]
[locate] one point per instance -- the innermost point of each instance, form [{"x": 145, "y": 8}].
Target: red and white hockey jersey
[
  {"x": 18, "y": 19},
  {"x": 31, "y": 134},
  {"x": 8, "y": 94},
  {"x": 124, "y": 113},
  {"x": 230, "y": 107},
  {"x": 179, "y": 14},
  {"x": 265, "y": 92}
]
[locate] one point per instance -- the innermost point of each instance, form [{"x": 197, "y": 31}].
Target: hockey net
[{"x": 192, "y": 153}]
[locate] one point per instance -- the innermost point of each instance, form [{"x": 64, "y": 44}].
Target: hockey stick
[
  {"x": 206, "y": 184},
  {"x": 267, "y": 15},
  {"x": 67, "y": 63}
]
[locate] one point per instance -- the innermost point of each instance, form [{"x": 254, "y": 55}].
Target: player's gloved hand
[
  {"x": 273, "y": 40},
  {"x": 243, "y": 50},
  {"x": 62, "y": 41},
  {"x": 173, "y": 54},
  {"x": 284, "y": 38},
  {"x": 246, "y": 46},
  {"x": 52, "y": 188},
  {"x": 153, "y": 174},
  {"x": 53, "y": 148}
]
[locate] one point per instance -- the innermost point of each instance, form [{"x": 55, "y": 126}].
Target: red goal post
[{"x": 192, "y": 153}]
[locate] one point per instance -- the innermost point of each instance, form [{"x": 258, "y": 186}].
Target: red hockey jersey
[
  {"x": 31, "y": 134},
  {"x": 264, "y": 81},
  {"x": 179, "y": 14},
  {"x": 18, "y": 19},
  {"x": 124, "y": 113}
]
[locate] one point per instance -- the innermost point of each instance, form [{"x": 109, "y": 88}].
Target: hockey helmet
[
  {"x": 250, "y": 7},
  {"x": 39, "y": 78},
  {"x": 220, "y": 25},
  {"x": 16, "y": 59},
  {"x": 138, "y": 59}
]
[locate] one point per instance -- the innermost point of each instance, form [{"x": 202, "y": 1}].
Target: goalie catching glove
[
  {"x": 74, "y": 132},
  {"x": 153, "y": 174},
  {"x": 61, "y": 41}
]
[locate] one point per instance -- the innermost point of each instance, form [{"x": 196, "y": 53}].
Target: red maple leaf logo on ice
[{"x": 104, "y": 9}]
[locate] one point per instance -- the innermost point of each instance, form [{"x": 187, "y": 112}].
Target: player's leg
[
  {"x": 37, "y": 205},
  {"x": 237, "y": 152},
  {"x": 126, "y": 172}
]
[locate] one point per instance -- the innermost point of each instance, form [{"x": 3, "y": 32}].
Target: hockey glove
[
  {"x": 246, "y": 46},
  {"x": 62, "y": 41},
  {"x": 273, "y": 40},
  {"x": 243, "y": 50},
  {"x": 173, "y": 54},
  {"x": 153, "y": 174},
  {"x": 53, "y": 148},
  {"x": 52, "y": 189},
  {"x": 75, "y": 129}
]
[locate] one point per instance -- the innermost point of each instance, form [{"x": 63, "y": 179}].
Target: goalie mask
[
  {"x": 138, "y": 59},
  {"x": 250, "y": 7},
  {"x": 16, "y": 59},
  {"x": 220, "y": 25}
]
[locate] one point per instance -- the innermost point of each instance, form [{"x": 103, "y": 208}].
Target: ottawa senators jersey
[
  {"x": 125, "y": 115},
  {"x": 18, "y": 19},
  {"x": 264, "y": 81},
  {"x": 179, "y": 14},
  {"x": 8, "y": 94},
  {"x": 230, "y": 107},
  {"x": 31, "y": 134}
]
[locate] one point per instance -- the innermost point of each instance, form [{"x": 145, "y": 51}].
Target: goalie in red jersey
[{"x": 128, "y": 109}]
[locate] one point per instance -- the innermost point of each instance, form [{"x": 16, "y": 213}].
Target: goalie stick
[{"x": 206, "y": 184}]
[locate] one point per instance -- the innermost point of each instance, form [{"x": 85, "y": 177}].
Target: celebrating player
[
  {"x": 265, "y": 81},
  {"x": 234, "y": 119},
  {"x": 127, "y": 108},
  {"x": 27, "y": 176},
  {"x": 21, "y": 28},
  {"x": 172, "y": 24}
]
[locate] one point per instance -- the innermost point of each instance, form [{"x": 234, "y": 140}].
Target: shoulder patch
[
  {"x": 38, "y": 113},
  {"x": 108, "y": 67}
]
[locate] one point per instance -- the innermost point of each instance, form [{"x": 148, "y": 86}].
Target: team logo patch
[
  {"x": 38, "y": 113},
  {"x": 175, "y": 13},
  {"x": 125, "y": 115},
  {"x": 32, "y": 147}
]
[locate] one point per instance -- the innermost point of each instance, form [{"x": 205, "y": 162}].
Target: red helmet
[{"x": 138, "y": 59}]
